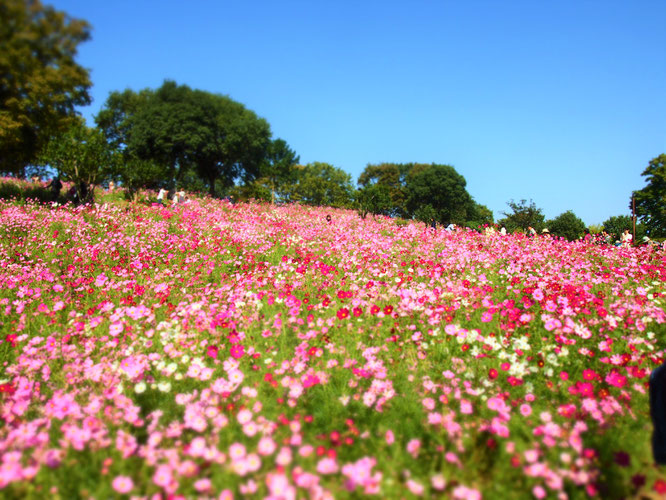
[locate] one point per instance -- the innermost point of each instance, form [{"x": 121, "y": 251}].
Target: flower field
[{"x": 229, "y": 351}]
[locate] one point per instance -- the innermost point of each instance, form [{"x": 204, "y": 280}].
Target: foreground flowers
[{"x": 222, "y": 350}]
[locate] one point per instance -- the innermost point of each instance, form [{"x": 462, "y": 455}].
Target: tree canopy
[
  {"x": 393, "y": 177},
  {"x": 651, "y": 200},
  {"x": 523, "y": 216},
  {"x": 617, "y": 224},
  {"x": 278, "y": 168},
  {"x": 374, "y": 199},
  {"x": 40, "y": 81},
  {"x": 322, "y": 184},
  {"x": 567, "y": 225},
  {"x": 438, "y": 192},
  {"x": 188, "y": 130},
  {"x": 82, "y": 155}
]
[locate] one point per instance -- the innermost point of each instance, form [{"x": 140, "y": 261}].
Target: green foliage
[
  {"x": 321, "y": 184},
  {"x": 278, "y": 169},
  {"x": 393, "y": 176},
  {"x": 479, "y": 215},
  {"x": 374, "y": 199},
  {"x": 181, "y": 129},
  {"x": 522, "y": 217},
  {"x": 442, "y": 189},
  {"x": 40, "y": 82},
  {"x": 567, "y": 225},
  {"x": 617, "y": 224},
  {"x": 136, "y": 173},
  {"x": 22, "y": 190},
  {"x": 81, "y": 155},
  {"x": 651, "y": 200},
  {"x": 259, "y": 189}
]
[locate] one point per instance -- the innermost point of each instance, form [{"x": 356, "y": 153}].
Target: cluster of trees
[
  {"x": 426, "y": 192},
  {"x": 40, "y": 82},
  {"x": 650, "y": 202},
  {"x": 177, "y": 136}
]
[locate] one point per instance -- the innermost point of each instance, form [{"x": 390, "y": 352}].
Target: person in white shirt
[
  {"x": 162, "y": 196},
  {"x": 626, "y": 238}
]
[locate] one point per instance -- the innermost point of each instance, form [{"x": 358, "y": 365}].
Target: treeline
[{"x": 178, "y": 137}]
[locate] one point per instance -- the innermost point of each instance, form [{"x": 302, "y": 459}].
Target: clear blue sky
[{"x": 563, "y": 102}]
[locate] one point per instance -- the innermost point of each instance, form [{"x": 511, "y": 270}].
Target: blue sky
[{"x": 562, "y": 102}]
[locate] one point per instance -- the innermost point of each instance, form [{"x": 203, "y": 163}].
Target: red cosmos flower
[
  {"x": 237, "y": 351},
  {"x": 374, "y": 309},
  {"x": 388, "y": 309},
  {"x": 589, "y": 374},
  {"x": 8, "y": 388},
  {"x": 310, "y": 380},
  {"x": 492, "y": 374},
  {"x": 211, "y": 351},
  {"x": 357, "y": 311},
  {"x": 343, "y": 313}
]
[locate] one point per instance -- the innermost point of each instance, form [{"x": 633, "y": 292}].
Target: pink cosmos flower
[
  {"x": 327, "y": 465},
  {"x": 122, "y": 484},
  {"x": 413, "y": 447},
  {"x": 237, "y": 351}
]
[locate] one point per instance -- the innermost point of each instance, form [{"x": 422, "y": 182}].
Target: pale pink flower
[{"x": 122, "y": 484}]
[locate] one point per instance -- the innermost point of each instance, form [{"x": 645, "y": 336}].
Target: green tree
[
  {"x": 278, "y": 168},
  {"x": 374, "y": 199},
  {"x": 617, "y": 224},
  {"x": 40, "y": 82},
  {"x": 136, "y": 173},
  {"x": 188, "y": 130},
  {"x": 83, "y": 156},
  {"x": 567, "y": 225},
  {"x": 651, "y": 200},
  {"x": 393, "y": 176},
  {"x": 442, "y": 189},
  {"x": 522, "y": 217},
  {"x": 479, "y": 215},
  {"x": 321, "y": 184}
]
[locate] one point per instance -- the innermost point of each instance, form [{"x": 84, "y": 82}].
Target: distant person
[
  {"x": 179, "y": 197},
  {"x": 626, "y": 238},
  {"x": 503, "y": 231},
  {"x": 35, "y": 179},
  {"x": 55, "y": 185},
  {"x": 162, "y": 196},
  {"x": 531, "y": 232},
  {"x": 83, "y": 192}
]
